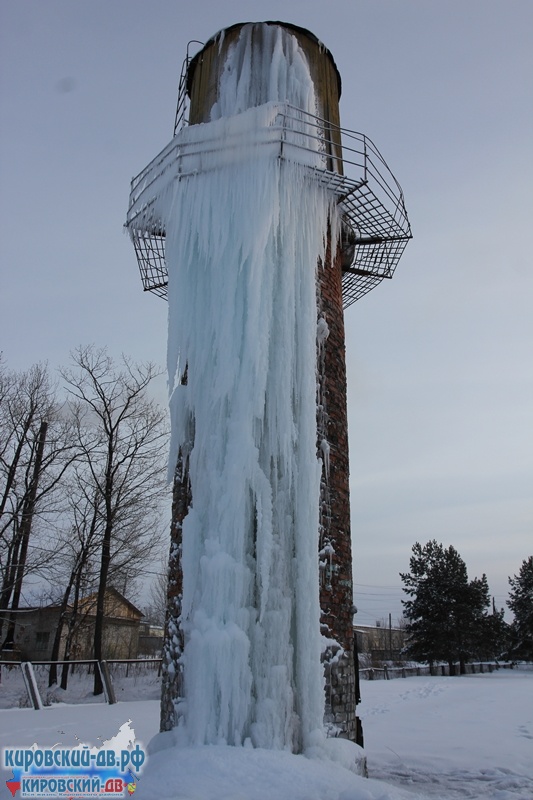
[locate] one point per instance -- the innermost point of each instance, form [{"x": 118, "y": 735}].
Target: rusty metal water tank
[
  {"x": 376, "y": 228},
  {"x": 205, "y": 71}
]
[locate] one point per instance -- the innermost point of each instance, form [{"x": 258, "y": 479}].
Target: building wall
[
  {"x": 379, "y": 642},
  {"x": 34, "y": 633},
  {"x": 150, "y": 640},
  {"x": 35, "y": 630}
]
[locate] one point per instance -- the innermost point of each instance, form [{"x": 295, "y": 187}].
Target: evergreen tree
[
  {"x": 493, "y": 636},
  {"x": 521, "y": 604},
  {"x": 446, "y": 612}
]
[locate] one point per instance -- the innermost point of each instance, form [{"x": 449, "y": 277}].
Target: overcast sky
[{"x": 440, "y": 359}]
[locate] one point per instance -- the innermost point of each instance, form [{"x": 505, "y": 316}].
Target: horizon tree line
[{"x": 452, "y": 619}]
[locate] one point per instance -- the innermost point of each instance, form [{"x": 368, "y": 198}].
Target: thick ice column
[
  {"x": 247, "y": 220},
  {"x": 264, "y": 126},
  {"x": 242, "y": 306},
  {"x": 244, "y": 235}
]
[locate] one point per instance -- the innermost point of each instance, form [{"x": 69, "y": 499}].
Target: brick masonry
[
  {"x": 336, "y": 585},
  {"x": 171, "y": 688},
  {"x": 336, "y": 590}
]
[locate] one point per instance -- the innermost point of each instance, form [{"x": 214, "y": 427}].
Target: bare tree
[
  {"x": 122, "y": 436},
  {"x": 156, "y": 608},
  {"x": 82, "y": 541},
  {"x": 36, "y": 450}
]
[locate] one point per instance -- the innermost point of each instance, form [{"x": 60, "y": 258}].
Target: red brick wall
[
  {"x": 336, "y": 589},
  {"x": 336, "y": 593}
]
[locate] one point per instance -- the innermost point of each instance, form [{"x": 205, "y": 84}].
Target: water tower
[{"x": 268, "y": 94}]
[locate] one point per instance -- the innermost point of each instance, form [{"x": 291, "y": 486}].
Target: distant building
[
  {"x": 150, "y": 639},
  {"x": 379, "y": 642},
  {"x": 36, "y": 628}
]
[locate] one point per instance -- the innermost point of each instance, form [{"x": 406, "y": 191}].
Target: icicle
[{"x": 244, "y": 233}]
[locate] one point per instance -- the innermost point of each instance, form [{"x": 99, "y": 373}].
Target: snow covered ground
[
  {"x": 438, "y": 738},
  {"x": 461, "y": 737},
  {"x": 132, "y": 681}
]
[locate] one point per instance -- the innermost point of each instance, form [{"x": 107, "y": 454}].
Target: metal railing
[
  {"x": 370, "y": 199},
  {"x": 26, "y": 684},
  {"x": 479, "y": 667}
]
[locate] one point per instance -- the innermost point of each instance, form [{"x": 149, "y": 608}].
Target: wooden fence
[
  {"x": 388, "y": 673},
  {"x": 113, "y": 671},
  {"x": 109, "y": 668}
]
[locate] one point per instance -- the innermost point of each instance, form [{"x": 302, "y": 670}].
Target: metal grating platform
[{"x": 376, "y": 226}]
